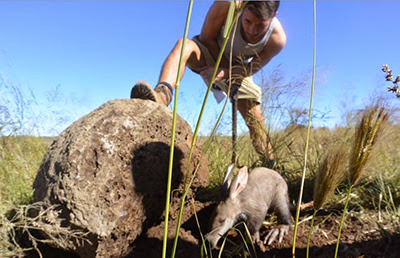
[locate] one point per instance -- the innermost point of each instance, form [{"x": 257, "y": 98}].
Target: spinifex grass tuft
[
  {"x": 328, "y": 177},
  {"x": 366, "y": 134}
]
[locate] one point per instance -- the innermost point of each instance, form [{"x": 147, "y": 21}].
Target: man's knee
[
  {"x": 193, "y": 54},
  {"x": 190, "y": 45}
]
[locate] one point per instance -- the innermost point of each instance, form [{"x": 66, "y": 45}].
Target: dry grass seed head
[
  {"x": 329, "y": 175},
  {"x": 366, "y": 134}
]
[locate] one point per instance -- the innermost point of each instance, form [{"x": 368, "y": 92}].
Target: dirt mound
[
  {"x": 108, "y": 171},
  {"x": 361, "y": 237}
]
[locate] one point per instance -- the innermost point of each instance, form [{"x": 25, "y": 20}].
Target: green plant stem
[
  {"x": 310, "y": 233},
  {"x": 203, "y": 241},
  {"x": 218, "y": 61},
  {"x": 171, "y": 155},
  {"x": 342, "y": 219},
  {"x": 214, "y": 130},
  {"x": 185, "y": 191},
  {"x": 222, "y": 247},
  {"x": 308, "y": 136},
  {"x": 186, "y": 187}
]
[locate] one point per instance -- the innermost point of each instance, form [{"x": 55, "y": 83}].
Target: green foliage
[{"x": 20, "y": 158}]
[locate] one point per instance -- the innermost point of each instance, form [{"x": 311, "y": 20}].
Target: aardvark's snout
[{"x": 213, "y": 239}]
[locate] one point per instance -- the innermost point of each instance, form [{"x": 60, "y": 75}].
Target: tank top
[{"x": 243, "y": 51}]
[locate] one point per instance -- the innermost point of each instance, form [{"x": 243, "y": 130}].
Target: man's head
[
  {"x": 263, "y": 10},
  {"x": 256, "y": 19}
]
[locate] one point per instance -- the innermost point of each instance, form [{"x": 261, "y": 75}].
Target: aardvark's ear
[
  {"x": 227, "y": 181},
  {"x": 239, "y": 182}
]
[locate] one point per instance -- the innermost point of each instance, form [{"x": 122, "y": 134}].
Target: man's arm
[{"x": 212, "y": 26}]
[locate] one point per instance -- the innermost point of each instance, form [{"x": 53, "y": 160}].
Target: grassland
[
  {"x": 377, "y": 192},
  {"x": 20, "y": 158}
]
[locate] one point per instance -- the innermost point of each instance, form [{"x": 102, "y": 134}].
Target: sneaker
[{"x": 143, "y": 90}]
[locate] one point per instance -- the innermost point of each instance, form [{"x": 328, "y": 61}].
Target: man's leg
[
  {"x": 252, "y": 114},
  {"x": 163, "y": 90}
]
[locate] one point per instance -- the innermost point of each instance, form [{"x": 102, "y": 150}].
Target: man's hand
[{"x": 207, "y": 71}]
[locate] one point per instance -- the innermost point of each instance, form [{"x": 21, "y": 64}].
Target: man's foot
[{"x": 143, "y": 90}]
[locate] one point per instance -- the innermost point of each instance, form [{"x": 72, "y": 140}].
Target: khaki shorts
[{"x": 247, "y": 90}]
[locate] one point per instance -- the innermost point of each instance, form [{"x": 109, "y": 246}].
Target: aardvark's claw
[{"x": 280, "y": 230}]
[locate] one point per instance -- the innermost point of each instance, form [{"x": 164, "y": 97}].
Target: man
[{"x": 258, "y": 38}]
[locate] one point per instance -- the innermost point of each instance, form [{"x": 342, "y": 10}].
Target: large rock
[{"x": 107, "y": 173}]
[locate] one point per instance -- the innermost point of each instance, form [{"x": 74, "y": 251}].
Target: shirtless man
[{"x": 258, "y": 38}]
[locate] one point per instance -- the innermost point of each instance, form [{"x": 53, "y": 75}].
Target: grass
[
  {"x": 20, "y": 159},
  {"x": 22, "y": 223},
  {"x": 367, "y": 131},
  {"x": 330, "y": 173},
  {"x": 378, "y": 190}
]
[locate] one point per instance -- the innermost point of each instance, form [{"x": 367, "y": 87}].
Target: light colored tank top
[{"x": 243, "y": 51}]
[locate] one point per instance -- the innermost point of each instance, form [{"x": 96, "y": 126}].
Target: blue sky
[{"x": 81, "y": 54}]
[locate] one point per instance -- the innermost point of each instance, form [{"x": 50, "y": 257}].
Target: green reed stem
[
  {"x": 342, "y": 220},
  {"x": 186, "y": 187},
  {"x": 203, "y": 241},
  {"x": 227, "y": 94},
  {"x": 171, "y": 155},
  {"x": 308, "y": 135},
  {"x": 310, "y": 233},
  {"x": 230, "y": 83}
]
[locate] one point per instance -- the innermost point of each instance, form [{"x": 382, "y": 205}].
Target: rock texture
[{"x": 108, "y": 171}]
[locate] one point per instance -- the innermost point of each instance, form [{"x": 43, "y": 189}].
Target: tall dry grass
[
  {"x": 24, "y": 221},
  {"x": 330, "y": 174},
  {"x": 371, "y": 125}
]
